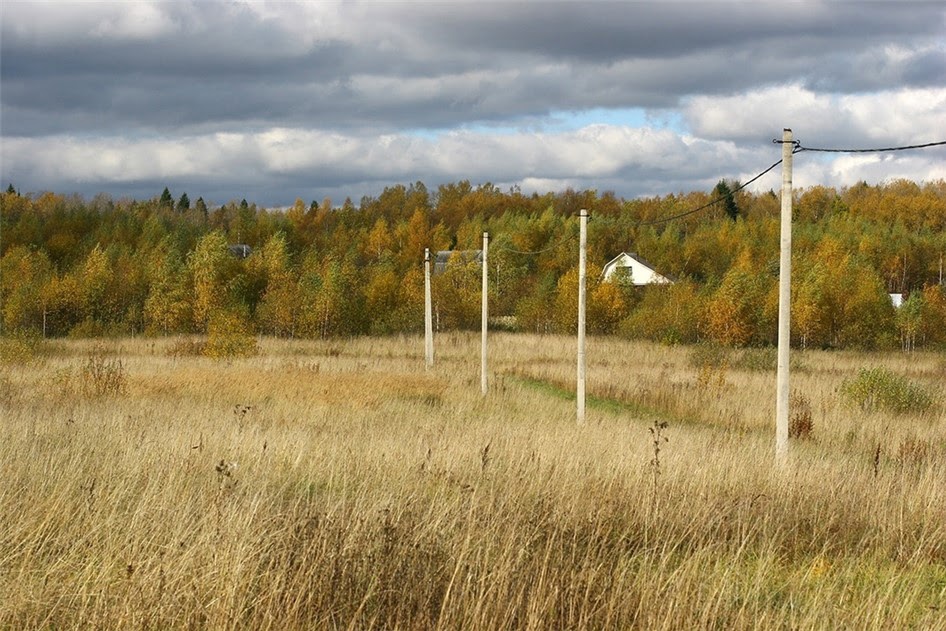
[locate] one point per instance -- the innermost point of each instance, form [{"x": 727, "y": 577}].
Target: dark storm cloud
[
  {"x": 231, "y": 66},
  {"x": 609, "y": 31}
]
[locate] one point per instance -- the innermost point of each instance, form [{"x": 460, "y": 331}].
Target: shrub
[
  {"x": 187, "y": 347},
  {"x": 229, "y": 336},
  {"x": 9, "y": 392},
  {"x": 20, "y": 347},
  {"x": 710, "y": 355},
  {"x": 765, "y": 359},
  {"x": 711, "y": 361},
  {"x": 102, "y": 375},
  {"x": 914, "y": 451},
  {"x": 800, "y": 423},
  {"x": 93, "y": 329},
  {"x": 880, "y": 389},
  {"x": 667, "y": 314}
]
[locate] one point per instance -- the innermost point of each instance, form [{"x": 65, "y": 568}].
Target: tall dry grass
[{"x": 339, "y": 485}]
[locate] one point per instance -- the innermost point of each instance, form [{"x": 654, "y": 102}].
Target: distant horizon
[{"x": 340, "y": 202}]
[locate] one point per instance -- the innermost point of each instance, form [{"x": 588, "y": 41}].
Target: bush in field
[
  {"x": 880, "y": 389},
  {"x": 765, "y": 359},
  {"x": 102, "y": 375},
  {"x": 801, "y": 421},
  {"x": 20, "y": 347},
  {"x": 668, "y": 314},
  {"x": 710, "y": 355},
  {"x": 228, "y": 336},
  {"x": 712, "y": 362},
  {"x": 187, "y": 347}
]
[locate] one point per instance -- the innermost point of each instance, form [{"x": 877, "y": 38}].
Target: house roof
[
  {"x": 632, "y": 255},
  {"x": 443, "y": 258},
  {"x": 639, "y": 260},
  {"x": 240, "y": 250}
]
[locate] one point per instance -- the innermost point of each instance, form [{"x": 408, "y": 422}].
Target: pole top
[
  {"x": 426, "y": 254},
  {"x": 485, "y": 235},
  {"x": 583, "y": 212}
]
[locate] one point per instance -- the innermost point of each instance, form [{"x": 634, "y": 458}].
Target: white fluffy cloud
[
  {"x": 862, "y": 120},
  {"x": 68, "y": 23},
  {"x": 598, "y": 156}
]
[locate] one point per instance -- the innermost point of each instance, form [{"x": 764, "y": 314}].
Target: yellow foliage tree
[
  {"x": 167, "y": 308},
  {"x": 279, "y": 307},
  {"x": 456, "y": 294},
  {"x": 932, "y": 329},
  {"x": 23, "y": 274},
  {"x": 737, "y": 314},
  {"x": 378, "y": 242},
  {"x": 606, "y": 308},
  {"x": 604, "y": 305},
  {"x": 382, "y": 299},
  {"x": 206, "y": 265},
  {"x": 672, "y": 314},
  {"x": 229, "y": 335}
]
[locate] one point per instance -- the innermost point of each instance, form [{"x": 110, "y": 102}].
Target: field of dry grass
[{"x": 324, "y": 485}]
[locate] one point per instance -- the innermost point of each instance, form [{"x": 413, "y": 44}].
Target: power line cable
[
  {"x": 708, "y": 204},
  {"x": 799, "y": 147}
]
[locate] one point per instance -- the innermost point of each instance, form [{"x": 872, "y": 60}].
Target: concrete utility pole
[
  {"x": 582, "y": 247},
  {"x": 428, "y": 315},
  {"x": 784, "y": 303},
  {"x": 483, "y": 384}
]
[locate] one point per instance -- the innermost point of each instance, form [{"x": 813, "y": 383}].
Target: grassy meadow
[{"x": 339, "y": 485}]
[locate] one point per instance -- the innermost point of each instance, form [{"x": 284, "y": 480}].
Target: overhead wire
[
  {"x": 799, "y": 147},
  {"x": 710, "y": 203}
]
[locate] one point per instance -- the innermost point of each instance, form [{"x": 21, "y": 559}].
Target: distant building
[
  {"x": 641, "y": 272},
  {"x": 896, "y": 300},
  {"x": 444, "y": 258},
  {"x": 240, "y": 250}
]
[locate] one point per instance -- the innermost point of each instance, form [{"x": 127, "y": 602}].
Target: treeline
[{"x": 78, "y": 267}]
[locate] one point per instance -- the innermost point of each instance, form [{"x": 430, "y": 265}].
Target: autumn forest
[{"x": 116, "y": 267}]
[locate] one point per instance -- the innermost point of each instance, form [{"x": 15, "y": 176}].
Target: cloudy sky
[{"x": 271, "y": 101}]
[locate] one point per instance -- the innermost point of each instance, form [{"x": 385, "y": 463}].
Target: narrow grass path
[{"x": 603, "y": 404}]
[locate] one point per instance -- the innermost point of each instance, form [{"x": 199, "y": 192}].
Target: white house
[{"x": 641, "y": 272}]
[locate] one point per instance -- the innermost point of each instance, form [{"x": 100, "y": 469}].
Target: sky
[{"x": 274, "y": 101}]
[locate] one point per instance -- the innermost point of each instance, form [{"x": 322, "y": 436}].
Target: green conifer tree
[{"x": 166, "y": 200}]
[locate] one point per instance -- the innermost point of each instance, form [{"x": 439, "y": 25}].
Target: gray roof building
[{"x": 443, "y": 258}]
